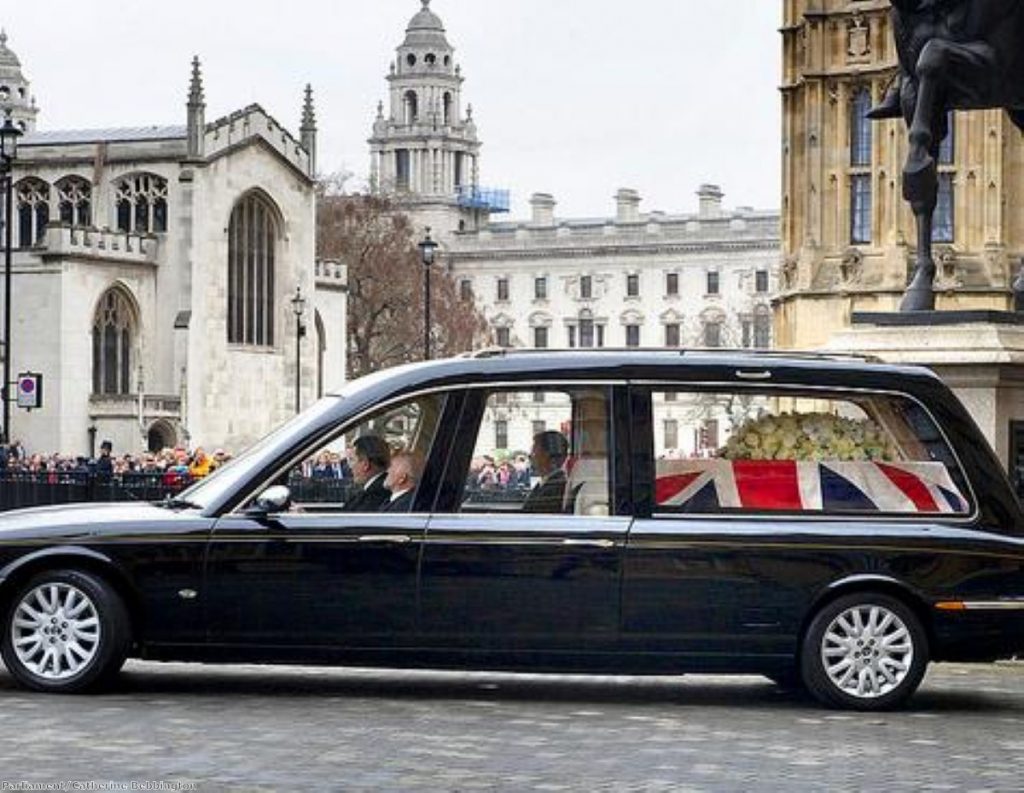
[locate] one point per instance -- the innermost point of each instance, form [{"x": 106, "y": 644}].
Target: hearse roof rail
[{"x": 801, "y": 355}]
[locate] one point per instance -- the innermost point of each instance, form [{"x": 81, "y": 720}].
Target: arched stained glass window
[
  {"x": 74, "y": 201},
  {"x": 252, "y": 250},
  {"x": 141, "y": 203},
  {"x": 113, "y": 335},
  {"x": 32, "y": 201}
]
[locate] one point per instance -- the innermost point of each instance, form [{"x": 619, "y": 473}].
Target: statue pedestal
[{"x": 979, "y": 354}]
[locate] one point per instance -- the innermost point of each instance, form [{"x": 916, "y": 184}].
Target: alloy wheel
[
  {"x": 56, "y": 631},
  {"x": 867, "y": 651}
]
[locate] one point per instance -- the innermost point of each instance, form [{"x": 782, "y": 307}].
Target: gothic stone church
[{"x": 154, "y": 273}]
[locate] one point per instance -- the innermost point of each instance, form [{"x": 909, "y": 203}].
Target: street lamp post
[
  {"x": 9, "y": 135},
  {"x": 428, "y": 249},
  {"x": 299, "y": 308}
]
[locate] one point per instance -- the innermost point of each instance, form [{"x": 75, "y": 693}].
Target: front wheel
[
  {"x": 864, "y": 651},
  {"x": 66, "y": 631}
]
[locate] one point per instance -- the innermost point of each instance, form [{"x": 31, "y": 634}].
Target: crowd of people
[
  {"x": 370, "y": 476},
  {"x": 178, "y": 463},
  {"x": 509, "y": 473}
]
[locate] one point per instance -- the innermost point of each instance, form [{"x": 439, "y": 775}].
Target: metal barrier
[{"x": 20, "y": 489}]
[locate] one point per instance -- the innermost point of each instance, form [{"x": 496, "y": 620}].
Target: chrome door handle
[
  {"x": 396, "y": 539},
  {"x": 590, "y": 543},
  {"x": 747, "y": 375}
]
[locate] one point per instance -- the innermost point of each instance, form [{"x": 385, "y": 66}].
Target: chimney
[
  {"x": 710, "y": 201},
  {"x": 627, "y": 206},
  {"x": 543, "y": 206}
]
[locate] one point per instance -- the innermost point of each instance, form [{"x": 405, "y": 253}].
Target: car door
[
  {"x": 497, "y": 580},
  {"x": 318, "y": 575},
  {"x": 699, "y": 581},
  {"x": 739, "y": 531}
]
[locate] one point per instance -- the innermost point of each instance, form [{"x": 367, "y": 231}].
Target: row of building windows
[
  {"x": 707, "y": 437},
  {"x": 755, "y": 332},
  {"x": 140, "y": 202},
  {"x": 713, "y": 286},
  {"x": 861, "y": 205}
]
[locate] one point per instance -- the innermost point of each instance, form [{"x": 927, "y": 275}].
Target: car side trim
[{"x": 1014, "y": 604}]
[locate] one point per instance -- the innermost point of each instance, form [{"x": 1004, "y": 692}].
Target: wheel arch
[
  {"x": 884, "y": 585},
  {"x": 70, "y": 557}
]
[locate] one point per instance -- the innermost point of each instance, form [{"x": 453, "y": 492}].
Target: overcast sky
[{"x": 572, "y": 98}]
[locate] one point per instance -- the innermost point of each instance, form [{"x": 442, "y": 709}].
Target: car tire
[
  {"x": 864, "y": 651},
  {"x": 65, "y": 631}
]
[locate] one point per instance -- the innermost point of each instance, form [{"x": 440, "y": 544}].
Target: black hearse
[{"x": 832, "y": 522}]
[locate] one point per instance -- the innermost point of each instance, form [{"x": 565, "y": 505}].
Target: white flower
[{"x": 810, "y": 436}]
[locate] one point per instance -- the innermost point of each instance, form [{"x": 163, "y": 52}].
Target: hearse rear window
[{"x": 801, "y": 453}]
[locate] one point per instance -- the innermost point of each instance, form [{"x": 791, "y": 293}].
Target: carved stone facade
[
  {"x": 152, "y": 278},
  {"x": 847, "y": 234}
]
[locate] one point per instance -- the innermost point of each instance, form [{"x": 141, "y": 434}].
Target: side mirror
[{"x": 274, "y": 499}]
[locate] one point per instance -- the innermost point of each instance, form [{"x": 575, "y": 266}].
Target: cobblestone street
[{"x": 251, "y": 728}]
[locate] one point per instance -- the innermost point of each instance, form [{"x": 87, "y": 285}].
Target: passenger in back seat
[{"x": 548, "y": 455}]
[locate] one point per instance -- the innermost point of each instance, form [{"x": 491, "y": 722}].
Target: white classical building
[
  {"x": 632, "y": 279},
  {"x": 154, "y": 273},
  {"x": 703, "y": 279}
]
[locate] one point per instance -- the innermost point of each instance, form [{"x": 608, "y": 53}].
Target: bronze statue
[{"x": 953, "y": 55}]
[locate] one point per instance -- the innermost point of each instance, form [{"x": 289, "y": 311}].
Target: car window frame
[
  {"x": 452, "y": 487},
  {"x": 643, "y": 494},
  {"x": 425, "y": 491}
]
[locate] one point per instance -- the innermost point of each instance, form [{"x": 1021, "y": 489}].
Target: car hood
[{"x": 89, "y": 520}]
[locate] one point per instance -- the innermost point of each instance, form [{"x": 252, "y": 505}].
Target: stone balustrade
[
  {"x": 746, "y": 229},
  {"x": 154, "y": 406},
  {"x": 61, "y": 239}
]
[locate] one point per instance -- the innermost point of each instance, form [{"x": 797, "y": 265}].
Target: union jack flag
[{"x": 790, "y": 485}]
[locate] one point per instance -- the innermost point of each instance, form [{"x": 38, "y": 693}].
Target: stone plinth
[{"x": 979, "y": 354}]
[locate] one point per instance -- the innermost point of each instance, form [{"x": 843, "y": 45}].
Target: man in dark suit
[
  {"x": 370, "y": 459},
  {"x": 402, "y": 480},
  {"x": 548, "y": 455}
]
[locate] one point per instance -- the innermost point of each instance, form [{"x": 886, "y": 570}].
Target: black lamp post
[
  {"x": 428, "y": 249},
  {"x": 299, "y": 308},
  {"x": 9, "y": 135}
]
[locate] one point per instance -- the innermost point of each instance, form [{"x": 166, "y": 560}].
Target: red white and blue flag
[{"x": 798, "y": 486}]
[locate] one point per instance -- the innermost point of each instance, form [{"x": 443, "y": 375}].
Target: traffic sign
[{"x": 30, "y": 390}]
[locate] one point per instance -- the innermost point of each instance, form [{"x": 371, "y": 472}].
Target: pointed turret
[
  {"x": 307, "y": 131},
  {"x": 196, "y": 113}
]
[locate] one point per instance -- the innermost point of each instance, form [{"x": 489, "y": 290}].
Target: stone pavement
[{"x": 250, "y": 728}]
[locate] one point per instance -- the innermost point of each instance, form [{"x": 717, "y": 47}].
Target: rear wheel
[
  {"x": 864, "y": 651},
  {"x": 66, "y": 631}
]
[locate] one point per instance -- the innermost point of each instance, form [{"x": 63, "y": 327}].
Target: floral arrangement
[{"x": 809, "y": 436}]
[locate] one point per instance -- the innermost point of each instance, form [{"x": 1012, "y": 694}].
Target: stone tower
[
  {"x": 424, "y": 150},
  {"x": 15, "y": 98},
  {"x": 847, "y": 234}
]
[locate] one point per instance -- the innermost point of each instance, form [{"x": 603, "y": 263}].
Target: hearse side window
[
  {"x": 556, "y": 458},
  {"x": 325, "y": 479},
  {"x": 801, "y": 452}
]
